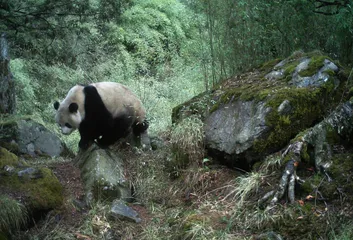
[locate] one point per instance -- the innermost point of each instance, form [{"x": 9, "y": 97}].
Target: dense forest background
[{"x": 167, "y": 51}]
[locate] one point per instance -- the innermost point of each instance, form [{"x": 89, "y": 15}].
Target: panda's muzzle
[{"x": 66, "y": 129}]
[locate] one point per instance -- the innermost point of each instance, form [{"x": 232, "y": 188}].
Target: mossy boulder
[
  {"x": 9, "y": 159},
  {"x": 258, "y": 112},
  {"x": 23, "y": 135},
  {"x": 36, "y": 187},
  {"x": 103, "y": 175}
]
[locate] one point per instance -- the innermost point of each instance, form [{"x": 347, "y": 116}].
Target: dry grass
[
  {"x": 243, "y": 187},
  {"x": 187, "y": 138}
]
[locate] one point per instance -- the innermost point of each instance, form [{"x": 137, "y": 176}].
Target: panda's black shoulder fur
[
  {"x": 94, "y": 106},
  {"x": 98, "y": 123}
]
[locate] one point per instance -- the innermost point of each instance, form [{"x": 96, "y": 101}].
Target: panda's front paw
[
  {"x": 83, "y": 145},
  {"x": 101, "y": 142}
]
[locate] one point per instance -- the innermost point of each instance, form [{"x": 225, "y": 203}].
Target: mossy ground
[
  {"x": 7, "y": 158},
  {"x": 44, "y": 192}
]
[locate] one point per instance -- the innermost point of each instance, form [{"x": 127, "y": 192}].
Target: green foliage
[
  {"x": 25, "y": 95},
  {"x": 142, "y": 44},
  {"x": 241, "y": 34},
  {"x": 344, "y": 233}
]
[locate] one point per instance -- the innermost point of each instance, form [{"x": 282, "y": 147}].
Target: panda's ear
[
  {"x": 56, "y": 105},
  {"x": 73, "y": 107}
]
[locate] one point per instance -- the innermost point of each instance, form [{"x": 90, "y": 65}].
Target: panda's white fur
[
  {"x": 63, "y": 115},
  {"x": 119, "y": 101}
]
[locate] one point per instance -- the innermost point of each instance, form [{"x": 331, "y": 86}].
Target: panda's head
[{"x": 70, "y": 112}]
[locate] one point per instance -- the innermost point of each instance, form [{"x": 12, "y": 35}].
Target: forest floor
[
  {"x": 177, "y": 196},
  {"x": 194, "y": 202}
]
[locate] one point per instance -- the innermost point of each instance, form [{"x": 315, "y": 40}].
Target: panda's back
[{"x": 118, "y": 99}]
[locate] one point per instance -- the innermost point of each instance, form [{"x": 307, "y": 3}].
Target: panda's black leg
[
  {"x": 83, "y": 144},
  {"x": 103, "y": 142},
  {"x": 86, "y": 136},
  {"x": 141, "y": 136}
]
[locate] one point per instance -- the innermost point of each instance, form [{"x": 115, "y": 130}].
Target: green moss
[
  {"x": 332, "y": 136},
  {"x": 230, "y": 95},
  {"x": 307, "y": 208},
  {"x": 268, "y": 66},
  {"x": 256, "y": 92},
  {"x": 42, "y": 193},
  {"x": 306, "y": 188},
  {"x": 304, "y": 155},
  {"x": 263, "y": 94},
  {"x": 307, "y": 108},
  {"x": 289, "y": 69},
  {"x": 316, "y": 62},
  {"x": 7, "y": 158},
  {"x": 199, "y": 105},
  {"x": 350, "y": 92},
  {"x": 341, "y": 172},
  {"x": 226, "y": 97},
  {"x": 3, "y": 236},
  {"x": 330, "y": 72},
  {"x": 329, "y": 85},
  {"x": 11, "y": 146},
  {"x": 342, "y": 165}
]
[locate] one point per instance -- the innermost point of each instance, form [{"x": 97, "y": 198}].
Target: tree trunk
[{"x": 7, "y": 86}]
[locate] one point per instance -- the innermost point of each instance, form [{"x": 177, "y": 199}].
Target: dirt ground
[{"x": 73, "y": 210}]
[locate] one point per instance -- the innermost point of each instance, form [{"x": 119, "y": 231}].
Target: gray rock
[
  {"x": 284, "y": 108},
  {"x": 317, "y": 79},
  {"x": 120, "y": 210},
  {"x": 9, "y": 169},
  {"x": 30, "y": 172},
  {"x": 274, "y": 75},
  {"x": 269, "y": 236},
  {"x": 103, "y": 176},
  {"x": 234, "y": 127},
  {"x": 33, "y": 137}
]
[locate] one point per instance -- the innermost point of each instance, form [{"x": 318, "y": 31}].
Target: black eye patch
[{"x": 68, "y": 125}]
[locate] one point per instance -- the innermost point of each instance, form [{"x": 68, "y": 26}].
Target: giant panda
[{"x": 103, "y": 112}]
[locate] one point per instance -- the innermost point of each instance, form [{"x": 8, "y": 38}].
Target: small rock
[
  {"x": 120, "y": 210},
  {"x": 274, "y": 75},
  {"x": 284, "y": 108},
  {"x": 31, "y": 173},
  {"x": 269, "y": 236},
  {"x": 9, "y": 169}
]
